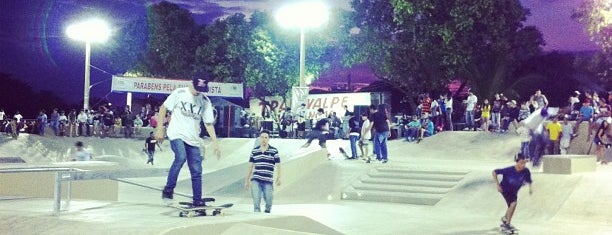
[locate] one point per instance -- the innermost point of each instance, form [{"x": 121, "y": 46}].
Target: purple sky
[{"x": 34, "y": 47}]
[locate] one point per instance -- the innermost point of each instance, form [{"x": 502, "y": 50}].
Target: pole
[
  {"x": 87, "y": 63},
  {"x": 302, "y": 58}
]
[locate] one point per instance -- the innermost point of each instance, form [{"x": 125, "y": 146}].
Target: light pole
[
  {"x": 88, "y": 31},
  {"x": 305, "y": 15}
]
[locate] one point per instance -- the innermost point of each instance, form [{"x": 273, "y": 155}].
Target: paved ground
[{"x": 561, "y": 204}]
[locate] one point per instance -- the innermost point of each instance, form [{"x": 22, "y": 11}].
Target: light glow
[
  {"x": 308, "y": 14},
  {"x": 94, "y": 30}
]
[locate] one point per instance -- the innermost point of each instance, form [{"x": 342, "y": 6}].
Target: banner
[
  {"x": 166, "y": 86},
  {"x": 328, "y": 102}
]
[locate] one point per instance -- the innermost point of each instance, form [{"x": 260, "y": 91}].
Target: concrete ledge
[
  {"x": 41, "y": 184},
  {"x": 569, "y": 164}
]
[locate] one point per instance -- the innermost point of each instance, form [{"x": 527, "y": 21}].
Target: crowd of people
[{"x": 106, "y": 121}]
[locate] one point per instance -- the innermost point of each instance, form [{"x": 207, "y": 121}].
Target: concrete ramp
[
  {"x": 404, "y": 185},
  {"x": 269, "y": 225}
]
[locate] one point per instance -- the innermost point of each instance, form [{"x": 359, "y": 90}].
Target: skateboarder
[
  {"x": 189, "y": 107},
  {"x": 81, "y": 154},
  {"x": 260, "y": 176},
  {"x": 513, "y": 179},
  {"x": 150, "y": 143}
]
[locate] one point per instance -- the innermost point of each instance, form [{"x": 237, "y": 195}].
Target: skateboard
[
  {"x": 346, "y": 156},
  {"x": 186, "y": 209}
]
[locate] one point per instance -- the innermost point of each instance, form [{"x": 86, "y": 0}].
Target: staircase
[{"x": 404, "y": 185}]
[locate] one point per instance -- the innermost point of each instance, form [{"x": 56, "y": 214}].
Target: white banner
[
  {"x": 166, "y": 86},
  {"x": 329, "y": 103}
]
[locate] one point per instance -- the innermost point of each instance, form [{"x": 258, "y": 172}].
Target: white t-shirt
[
  {"x": 365, "y": 134},
  {"x": 187, "y": 111},
  {"x": 567, "y": 130},
  {"x": 2, "y": 114},
  {"x": 471, "y": 102},
  {"x": 82, "y": 156},
  {"x": 18, "y": 117}
]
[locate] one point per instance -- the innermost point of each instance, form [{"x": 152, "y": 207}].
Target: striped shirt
[{"x": 263, "y": 163}]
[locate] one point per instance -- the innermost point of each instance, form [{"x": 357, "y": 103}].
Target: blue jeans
[
  {"x": 525, "y": 149},
  {"x": 259, "y": 189},
  {"x": 354, "y": 139},
  {"x": 55, "y": 126},
  {"x": 184, "y": 152},
  {"x": 150, "y": 154},
  {"x": 469, "y": 119},
  {"x": 411, "y": 133},
  {"x": 380, "y": 145}
]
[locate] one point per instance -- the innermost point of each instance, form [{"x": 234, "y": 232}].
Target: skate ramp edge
[{"x": 269, "y": 226}]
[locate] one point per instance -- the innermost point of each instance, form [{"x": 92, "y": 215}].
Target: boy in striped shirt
[{"x": 260, "y": 176}]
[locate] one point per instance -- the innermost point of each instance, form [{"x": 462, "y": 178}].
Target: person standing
[
  {"x": 354, "y": 131},
  {"x": 260, "y": 175},
  {"x": 470, "y": 104},
  {"x": 189, "y": 107},
  {"x": 150, "y": 143},
  {"x": 54, "y": 121},
  {"x": 301, "y": 120},
  {"x": 448, "y": 104},
  {"x": 82, "y": 123},
  {"x": 486, "y": 114},
  {"x": 380, "y": 123},
  {"x": 364, "y": 139},
  {"x": 538, "y": 100},
  {"x": 554, "y": 135},
  {"x": 567, "y": 130},
  {"x": 514, "y": 177},
  {"x": 42, "y": 122}
]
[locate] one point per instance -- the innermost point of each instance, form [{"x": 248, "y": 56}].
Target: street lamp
[
  {"x": 89, "y": 31},
  {"x": 307, "y": 14}
]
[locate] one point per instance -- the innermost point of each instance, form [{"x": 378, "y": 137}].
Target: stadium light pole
[
  {"x": 89, "y": 31},
  {"x": 305, "y": 15}
]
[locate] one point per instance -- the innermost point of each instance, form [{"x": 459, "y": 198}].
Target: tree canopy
[{"x": 421, "y": 45}]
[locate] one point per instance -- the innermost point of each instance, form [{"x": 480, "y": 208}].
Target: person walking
[
  {"x": 514, "y": 177},
  {"x": 189, "y": 107},
  {"x": 260, "y": 175},
  {"x": 150, "y": 143}
]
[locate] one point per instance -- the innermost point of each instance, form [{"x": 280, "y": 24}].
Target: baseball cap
[{"x": 200, "y": 84}]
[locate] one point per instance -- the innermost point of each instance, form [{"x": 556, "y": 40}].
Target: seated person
[
  {"x": 412, "y": 129},
  {"x": 427, "y": 127}
]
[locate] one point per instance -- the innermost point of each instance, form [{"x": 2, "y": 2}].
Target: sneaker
[
  {"x": 384, "y": 161},
  {"x": 198, "y": 203},
  {"x": 167, "y": 195},
  {"x": 503, "y": 220}
]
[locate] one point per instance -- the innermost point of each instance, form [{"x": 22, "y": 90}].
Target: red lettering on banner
[
  {"x": 317, "y": 103},
  {"x": 324, "y": 106}
]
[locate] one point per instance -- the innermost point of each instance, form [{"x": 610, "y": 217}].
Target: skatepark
[{"x": 447, "y": 190}]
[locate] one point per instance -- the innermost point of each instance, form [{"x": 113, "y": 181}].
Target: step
[
  {"x": 420, "y": 171},
  {"x": 383, "y": 196},
  {"x": 408, "y": 182},
  {"x": 416, "y": 176},
  {"x": 396, "y": 188}
]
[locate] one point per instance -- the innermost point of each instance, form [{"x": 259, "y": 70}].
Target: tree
[
  {"x": 421, "y": 45},
  {"x": 597, "y": 16},
  {"x": 170, "y": 51},
  {"x": 128, "y": 46},
  {"x": 223, "y": 49}
]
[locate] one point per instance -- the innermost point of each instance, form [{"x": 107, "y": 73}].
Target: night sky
[{"x": 34, "y": 47}]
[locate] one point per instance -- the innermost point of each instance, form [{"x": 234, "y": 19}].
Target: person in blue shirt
[
  {"x": 514, "y": 177},
  {"x": 427, "y": 128},
  {"x": 586, "y": 114}
]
